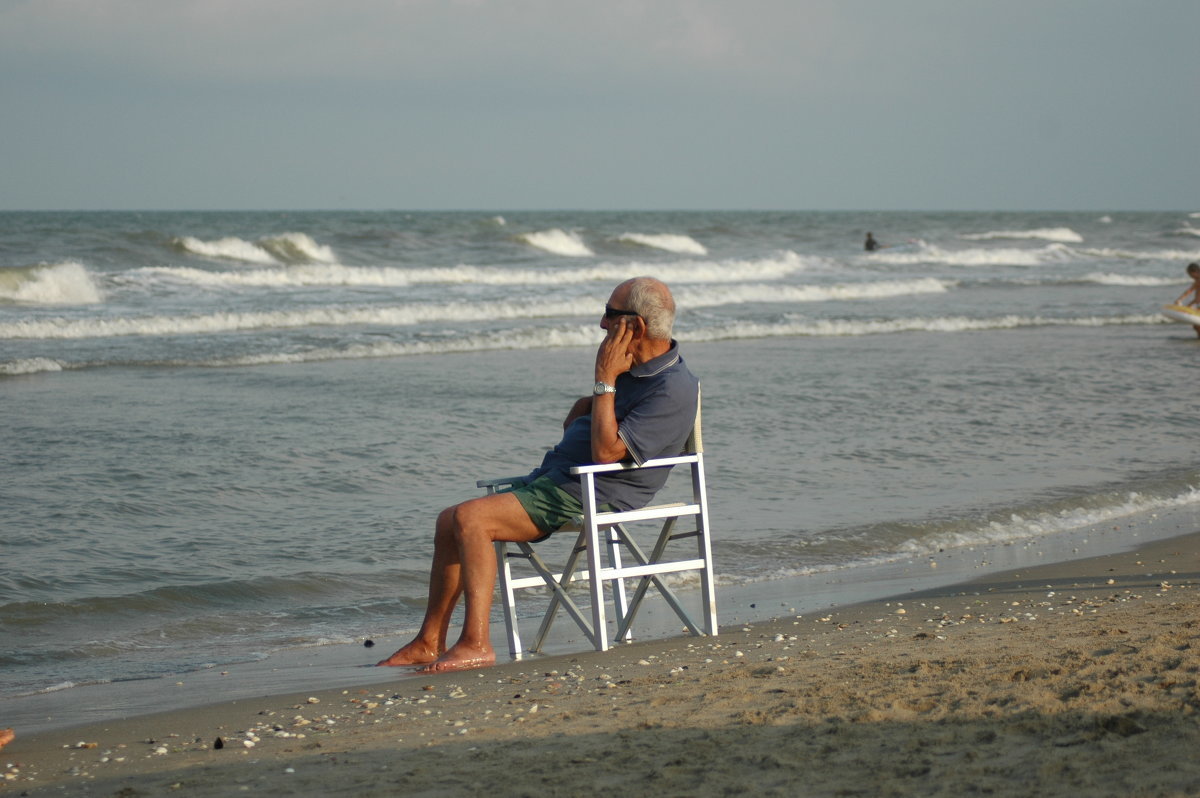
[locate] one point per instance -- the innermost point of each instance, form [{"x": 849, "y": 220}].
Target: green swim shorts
[{"x": 549, "y": 506}]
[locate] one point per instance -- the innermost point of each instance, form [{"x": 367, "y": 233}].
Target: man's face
[{"x": 616, "y": 302}]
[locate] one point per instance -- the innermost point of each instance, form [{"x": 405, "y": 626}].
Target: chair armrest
[
  {"x": 498, "y": 481},
  {"x": 661, "y": 462}
]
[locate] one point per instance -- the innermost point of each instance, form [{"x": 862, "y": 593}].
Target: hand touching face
[{"x": 615, "y": 356}]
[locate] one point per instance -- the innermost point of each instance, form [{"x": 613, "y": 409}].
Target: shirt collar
[{"x": 658, "y": 364}]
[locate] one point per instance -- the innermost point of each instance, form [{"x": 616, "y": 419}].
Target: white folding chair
[{"x": 609, "y": 531}]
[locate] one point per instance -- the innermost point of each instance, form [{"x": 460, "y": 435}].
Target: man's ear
[{"x": 639, "y": 330}]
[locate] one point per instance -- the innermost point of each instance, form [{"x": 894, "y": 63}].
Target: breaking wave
[
  {"x": 1062, "y": 235},
  {"x": 1131, "y": 279},
  {"x": 50, "y": 284},
  {"x": 557, "y": 242},
  {"x": 582, "y": 335},
  {"x": 388, "y": 276},
  {"x": 1053, "y": 253},
  {"x": 282, "y": 248},
  {"x": 33, "y": 365},
  {"x": 404, "y": 315},
  {"x": 684, "y": 245},
  {"x": 802, "y": 327},
  {"x": 1045, "y": 524}
]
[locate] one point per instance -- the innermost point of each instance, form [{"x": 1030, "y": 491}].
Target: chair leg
[
  {"x": 708, "y": 588},
  {"x": 620, "y": 601},
  {"x": 508, "y": 599}
]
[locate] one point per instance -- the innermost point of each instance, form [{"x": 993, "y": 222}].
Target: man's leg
[
  {"x": 464, "y": 561},
  {"x": 444, "y": 590}
]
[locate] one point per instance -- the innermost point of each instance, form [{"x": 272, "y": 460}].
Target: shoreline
[
  {"x": 344, "y": 665},
  {"x": 1075, "y": 675}
]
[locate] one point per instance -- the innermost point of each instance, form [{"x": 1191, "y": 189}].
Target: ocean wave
[
  {"x": 405, "y": 315},
  {"x": 282, "y": 248},
  {"x": 588, "y": 335},
  {"x": 557, "y": 242},
  {"x": 829, "y": 328},
  {"x": 1062, "y": 235},
  {"x": 685, "y": 245},
  {"x": 1052, "y": 253},
  {"x": 1108, "y": 278},
  {"x": 185, "y": 598},
  {"x": 33, "y": 365},
  {"x": 733, "y": 295},
  {"x": 289, "y": 319},
  {"x": 555, "y": 338},
  {"x": 67, "y": 283},
  {"x": 1187, "y": 230},
  {"x": 1140, "y": 255},
  {"x": 1044, "y": 524},
  {"x": 728, "y": 271}
]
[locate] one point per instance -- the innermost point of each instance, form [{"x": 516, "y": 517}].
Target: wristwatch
[{"x": 601, "y": 388}]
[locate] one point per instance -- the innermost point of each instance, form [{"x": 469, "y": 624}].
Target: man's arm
[{"x": 582, "y": 407}]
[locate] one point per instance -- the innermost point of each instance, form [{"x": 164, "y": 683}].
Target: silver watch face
[{"x": 600, "y": 388}]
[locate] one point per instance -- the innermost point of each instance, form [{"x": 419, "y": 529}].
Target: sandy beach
[{"x": 1070, "y": 678}]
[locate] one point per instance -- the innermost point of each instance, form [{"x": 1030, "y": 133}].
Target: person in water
[
  {"x": 642, "y": 406},
  {"x": 1193, "y": 271},
  {"x": 870, "y": 245}
]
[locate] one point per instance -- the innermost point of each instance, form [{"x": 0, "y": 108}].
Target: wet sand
[{"x": 1078, "y": 677}]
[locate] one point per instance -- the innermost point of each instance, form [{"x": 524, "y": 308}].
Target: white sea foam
[
  {"x": 557, "y": 242},
  {"x": 1062, "y": 235},
  {"x": 66, "y": 283},
  {"x": 1132, "y": 279},
  {"x": 33, "y": 365},
  {"x": 282, "y": 248},
  {"x": 585, "y": 335},
  {"x": 1052, "y": 253},
  {"x": 729, "y": 271},
  {"x": 838, "y": 327},
  {"x": 1188, "y": 230},
  {"x": 696, "y": 298},
  {"x": 1139, "y": 254},
  {"x": 1044, "y": 524},
  {"x": 403, "y": 315},
  {"x": 682, "y": 244}
]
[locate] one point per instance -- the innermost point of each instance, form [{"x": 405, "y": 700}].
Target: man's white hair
[{"x": 652, "y": 300}]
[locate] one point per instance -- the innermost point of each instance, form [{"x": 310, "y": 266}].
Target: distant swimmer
[
  {"x": 870, "y": 245},
  {"x": 1193, "y": 271}
]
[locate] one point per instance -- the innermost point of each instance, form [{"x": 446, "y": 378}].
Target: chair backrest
[{"x": 695, "y": 442}]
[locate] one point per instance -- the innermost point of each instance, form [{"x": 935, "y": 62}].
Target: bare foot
[
  {"x": 415, "y": 653},
  {"x": 6, "y": 737},
  {"x": 460, "y": 657}
]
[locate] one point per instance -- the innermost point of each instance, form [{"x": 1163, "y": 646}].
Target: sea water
[{"x": 226, "y": 435}]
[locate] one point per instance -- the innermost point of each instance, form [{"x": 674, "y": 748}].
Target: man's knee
[{"x": 467, "y": 519}]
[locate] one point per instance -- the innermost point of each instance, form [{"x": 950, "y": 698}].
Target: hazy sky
[{"x": 558, "y": 104}]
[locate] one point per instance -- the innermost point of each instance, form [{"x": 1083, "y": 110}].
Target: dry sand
[{"x": 1078, "y": 678}]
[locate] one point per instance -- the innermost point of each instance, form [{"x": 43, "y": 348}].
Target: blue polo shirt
[{"x": 655, "y": 409}]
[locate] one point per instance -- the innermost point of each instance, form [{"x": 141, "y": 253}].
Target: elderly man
[{"x": 642, "y": 406}]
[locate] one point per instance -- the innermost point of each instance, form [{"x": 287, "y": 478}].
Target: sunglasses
[{"x": 611, "y": 313}]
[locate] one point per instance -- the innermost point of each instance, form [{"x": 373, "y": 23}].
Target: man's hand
[{"x": 614, "y": 357}]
